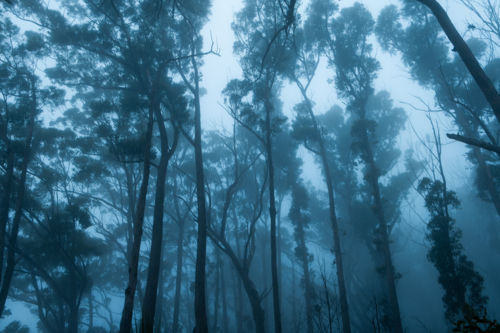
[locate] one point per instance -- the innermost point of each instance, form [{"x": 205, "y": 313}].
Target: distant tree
[{"x": 15, "y": 327}]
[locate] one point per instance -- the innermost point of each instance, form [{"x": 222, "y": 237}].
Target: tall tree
[
  {"x": 462, "y": 284},
  {"x": 301, "y": 71},
  {"x": 349, "y": 51},
  {"x": 260, "y": 47}
]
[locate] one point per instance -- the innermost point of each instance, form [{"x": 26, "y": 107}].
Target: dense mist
[{"x": 286, "y": 166}]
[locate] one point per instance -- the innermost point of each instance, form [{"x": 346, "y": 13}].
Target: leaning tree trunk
[
  {"x": 470, "y": 61},
  {"x": 128, "y": 307}
]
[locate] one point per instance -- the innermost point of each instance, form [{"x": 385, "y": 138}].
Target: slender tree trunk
[
  {"x": 130, "y": 212},
  {"x": 178, "y": 279},
  {"x": 265, "y": 281},
  {"x": 239, "y": 307},
  {"x": 278, "y": 246},
  {"x": 128, "y": 307},
  {"x": 308, "y": 290},
  {"x": 236, "y": 302},
  {"x": 294, "y": 297},
  {"x": 5, "y": 201},
  {"x": 224, "y": 297},
  {"x": 272, "y": 213},
  {"x": 216, "y": 300},
  {"x": 346, "y": 321},
  {"x": 189, "y": 309},
  {"x": 201, "y": 249},
  {"x": 159, "y": 299},
  {"x": 91, "y": 311},
  {"x": 11, "y": 248},
  {"x": 379, "y": 212},
  {"x": 149, "y": 304}
]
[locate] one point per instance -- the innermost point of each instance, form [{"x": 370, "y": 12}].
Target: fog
[{"x": 249, "y": 166}]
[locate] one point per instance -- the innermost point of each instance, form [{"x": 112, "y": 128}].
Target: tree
[
  {"x": 463, "y": 285},
  {"x": 241, "y": 173},
  {"x": 348, "y": 50},
  {"x": 260, "y": 47},
  {"x": 307, "y": 58}
]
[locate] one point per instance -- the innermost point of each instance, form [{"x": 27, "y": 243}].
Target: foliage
[
  {"x": 461, "y": 283},
  {"x": 475, "y": 323}
]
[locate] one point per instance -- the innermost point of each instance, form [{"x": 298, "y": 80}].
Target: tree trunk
[
  {"x": 201, "y": 249},
  {"x": 91, "y": 310},
  {"x": 178, "y": 279},
  {"x": 239, "y": 304},
  {"x": 130, "y": 212},
  {"x": 257, "y": 311},
  {"x": 11, "y": 248},
  {"x": 149, "y": 304},
  {"x": 278, "y": 246},
  {"x": 5, "y": 201},
  {"x": 304, "y": 257},
  {"x": 224, "y": 297},
  {"x": 128, "y": 307},
  {"x": 379, "y": 212},
  {"x": 272, "y": 213},
  {"x": 264, "y": 280},
  {"x": 73, "y": 319},
  {"x": 216, "y": 300},
  {"x": 159, "y": 299},
  {"x": 344, "y": 307}
]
